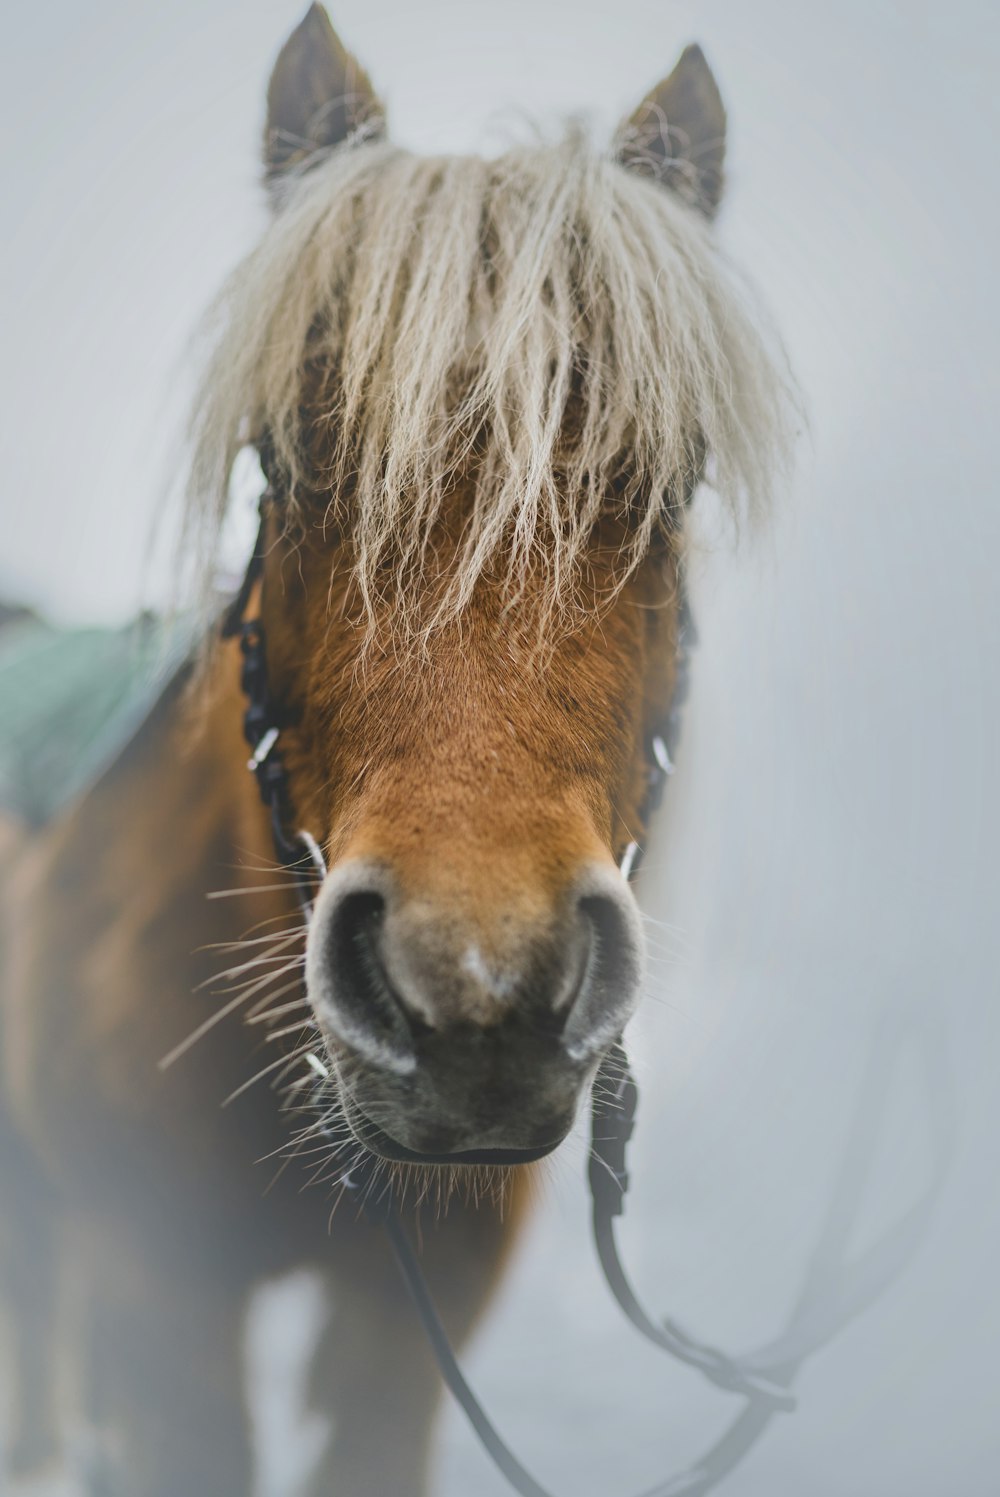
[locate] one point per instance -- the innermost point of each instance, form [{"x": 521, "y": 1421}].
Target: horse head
[{"x": 484, "y": 392}]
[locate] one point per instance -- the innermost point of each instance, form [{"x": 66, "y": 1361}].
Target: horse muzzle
[{"x": 468, "y": 1038}]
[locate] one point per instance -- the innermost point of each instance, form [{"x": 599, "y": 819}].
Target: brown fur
[{"x": 478, "y": 741}]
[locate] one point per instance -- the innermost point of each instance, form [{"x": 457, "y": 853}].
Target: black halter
[{"x": 836, "y": 1288}]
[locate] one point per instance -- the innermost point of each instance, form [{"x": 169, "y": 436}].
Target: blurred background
[{"x": 829, "y": 842}]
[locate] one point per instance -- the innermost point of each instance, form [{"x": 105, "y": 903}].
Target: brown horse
[{"x": 483, "y": 392}]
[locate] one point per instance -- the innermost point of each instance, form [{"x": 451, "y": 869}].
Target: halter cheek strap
[{"x": 263, "y": 721}]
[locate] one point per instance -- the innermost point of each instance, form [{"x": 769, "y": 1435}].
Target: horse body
[{"x": 480, "y": 429}]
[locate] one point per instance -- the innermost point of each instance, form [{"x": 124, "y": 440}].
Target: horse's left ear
[
  {"x": 317, "y": 97},
  {"x": 678, "y": 133}
]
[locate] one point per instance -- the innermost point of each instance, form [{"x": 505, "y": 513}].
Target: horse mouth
[{"x": 376, "y": 1141}]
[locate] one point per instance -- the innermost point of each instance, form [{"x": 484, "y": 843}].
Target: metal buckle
[{"x": 263, "y": 749}]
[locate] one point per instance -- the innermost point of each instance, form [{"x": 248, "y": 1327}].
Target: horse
[{"x": 483, "y": 393}]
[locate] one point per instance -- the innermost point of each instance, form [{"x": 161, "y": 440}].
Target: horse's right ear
[{"x": 317, "y": 97}]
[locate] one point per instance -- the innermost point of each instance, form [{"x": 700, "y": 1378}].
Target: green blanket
[{"x": 71, "y": 700}]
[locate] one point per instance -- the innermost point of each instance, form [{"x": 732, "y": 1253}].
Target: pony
[{"x": 483, "y": 393}]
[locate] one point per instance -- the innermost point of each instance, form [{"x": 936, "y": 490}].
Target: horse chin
[{"x": 375, "y": 1140}]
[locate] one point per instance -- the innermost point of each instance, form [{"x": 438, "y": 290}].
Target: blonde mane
[{"x": 547, "y": 322}]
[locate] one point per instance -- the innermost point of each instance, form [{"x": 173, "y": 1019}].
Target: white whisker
[
  {"x": 265, "y": 1016},
  {"x": 242, "y": 893},
  {"x": 201, "y": 1030},
  {"x": 285, "y": 1061}
]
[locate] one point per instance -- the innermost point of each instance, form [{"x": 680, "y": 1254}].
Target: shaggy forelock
[{"x": 544, "y": 326}]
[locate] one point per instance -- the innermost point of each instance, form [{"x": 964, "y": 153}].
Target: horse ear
[
  {"x": 318, "y": 96},
  {"x": 678, "y": 133}
]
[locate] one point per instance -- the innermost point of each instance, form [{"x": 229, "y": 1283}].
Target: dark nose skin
[
  {"x": 451, "y": 1036},
  {"x": 388, "y": 967}
]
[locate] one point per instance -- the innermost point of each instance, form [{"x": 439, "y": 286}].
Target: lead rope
[{"x": 835, "y": 1289}]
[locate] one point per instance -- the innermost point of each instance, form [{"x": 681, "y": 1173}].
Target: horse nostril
[
  {"x": 607, "y": 926},
  {"x": 364, "y": 1008},
  {"x": 354, "y": 934},
  {"x": 609, "y": 990}
]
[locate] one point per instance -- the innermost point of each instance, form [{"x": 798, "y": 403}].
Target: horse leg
[
  {"x": 165, "y": 1381},
  {"x": 30, "y": 1293},
  {"x": 374, "y": 1380},
  {"x": 28, "y": 1257},
  {"x": 374, "y": 1375}
]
